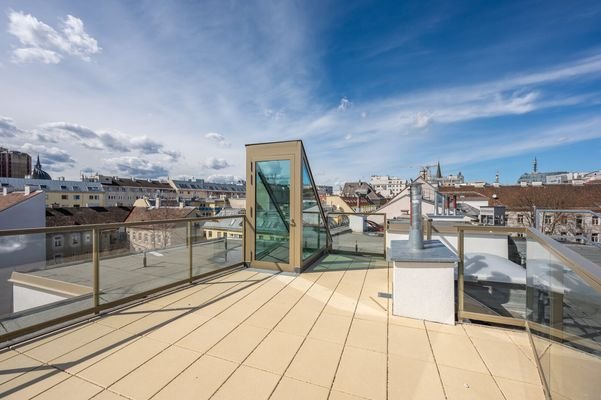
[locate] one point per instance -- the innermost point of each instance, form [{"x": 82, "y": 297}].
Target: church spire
[
  {"x": 438, "y": 171},
  {"x": 535, "y": 165}
]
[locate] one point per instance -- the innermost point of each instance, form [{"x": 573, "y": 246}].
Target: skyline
[{"x": 157, "y": 90}]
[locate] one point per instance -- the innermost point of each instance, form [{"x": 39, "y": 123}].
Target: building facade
[
  {"x": 569, "y": 212},
  {"x": 125, "y": 191},
  {"x": 60, "y": 193},
  {"x": 387, "y": 186},
  {"x": 199, "y": 189},
  {"x": 77, "y": 245},
  {"x": 14, "y": 164},
  {"x": 160, "y": 235}
]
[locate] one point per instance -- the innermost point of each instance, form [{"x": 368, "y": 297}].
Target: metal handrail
[
  {"x": 112, "y": 225},
  {"x": 584, "y": 268},
  {"x": 97, "y": 306}
]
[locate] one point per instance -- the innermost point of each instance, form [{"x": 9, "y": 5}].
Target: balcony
[
  {"x": 256, "y": 307},
  {"x": 256, "y": 334}
]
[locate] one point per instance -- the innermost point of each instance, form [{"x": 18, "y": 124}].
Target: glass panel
[
  {"x": 272, "y": 216},
  {"x": 43, "y": 277},
  {"x": 565, "y": 312},
  {"x": 495, "y": 274},
  {"x": 357, "y": 233},
  {"x": 140, "y": 258},
  {"x": 314, "y": 228},
  {"x": 218, "y": 243}
]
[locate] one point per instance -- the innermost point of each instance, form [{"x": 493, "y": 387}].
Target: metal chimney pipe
[{"x": 416, "y": 235}]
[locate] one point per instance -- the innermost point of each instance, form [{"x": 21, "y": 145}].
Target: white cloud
[
  {"x": 137, "y": 167},
  {"x": 35, "y": 54},
  {"x": 42, "y": 43},
  {"x": 52, "y": 158},
  {"x": 217, "y": 178},
  {"x": 216, "y": 163},
  {"x": 7, "y": 127},
  {"x": 345, "y": 104},
  {"x": 421, "y": 120},
  {"x": 218, "y": 138},
  {"x": 100, "y": 140}
]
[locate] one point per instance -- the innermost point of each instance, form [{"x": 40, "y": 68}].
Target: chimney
[
  {"x": 416, "y": 236},
  {"x": 4, "y": 191},
  {"x": 27, "y": 190}
]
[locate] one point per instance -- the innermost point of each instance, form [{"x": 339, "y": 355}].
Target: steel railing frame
[{"x": 97, "y": 307}]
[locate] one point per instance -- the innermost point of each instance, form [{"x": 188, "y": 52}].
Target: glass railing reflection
[
  {"x": 49, "y": 273},
  {"x": 495, "y": 273},
  {"x": 564, "y": 314}
]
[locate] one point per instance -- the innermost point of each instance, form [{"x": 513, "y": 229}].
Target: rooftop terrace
[{"x": 251, "y": 334}]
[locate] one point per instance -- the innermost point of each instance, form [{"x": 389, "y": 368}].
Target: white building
[
  {"x": 20, "y": 210},
  {"x": 387, "y": 186}
]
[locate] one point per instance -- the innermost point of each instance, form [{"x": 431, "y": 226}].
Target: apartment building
[
  {"x": 77, "y": 245},
  {"x": 60, "y": 192},
  {"x": 14, "y": 164},
  {"x": 199, "y": 189},
  {"x": 571, "y": 212},
  {"x": 125, "y": 191},
  {"x": 159, "y": 235},
  {"x": 387, "y": 186}
]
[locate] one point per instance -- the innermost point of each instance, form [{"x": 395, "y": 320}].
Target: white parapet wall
[{"x": 31, "y": 291}]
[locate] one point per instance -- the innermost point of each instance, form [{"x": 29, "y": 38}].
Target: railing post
[
  {"x": 189, "y": 240},
  {"x": 460, "y": 273},
  {"x": 225, "y": 246},
  {"x": 245, "y": 221},
  {"x": 96, "y": 265}
]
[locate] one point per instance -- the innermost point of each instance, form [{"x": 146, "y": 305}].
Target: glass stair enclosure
[{"x": 286, "y": 227}]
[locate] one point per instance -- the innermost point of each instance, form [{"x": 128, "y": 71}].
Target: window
[
  {"x": 75, "y": 239},
  {"x": 90, "y": 197},
  {"x": 579, "y": 221},
  {"x": 210, "y": 234},
  {"x": 87, "y": 237},
  {"x": 595, "y": 237},
  {"x": 58, "y": 241},
  {"x": 58, "y": 258},
  {"x": 64, "y": 197},
  {"x": 76, "y": 197},
  {"x": 548, "y": 219},
  {"x": 595, "y": 220},
  {"x": 520, "y": 218}
]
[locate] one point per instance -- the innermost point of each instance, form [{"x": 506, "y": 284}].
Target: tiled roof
[
  {"x": 139, "y": 214},
  {"x": 52, "y": 185},
  {"x": 200, "y": 184},
  {"x": 142, "y": 183},
  {"x": 14, "y": 198},
  {"x": 65, "y": 216},
  {"x": 524, "y": 197}
]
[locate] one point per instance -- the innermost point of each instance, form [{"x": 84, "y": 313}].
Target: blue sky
[{"x": 166, "y": 88}]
